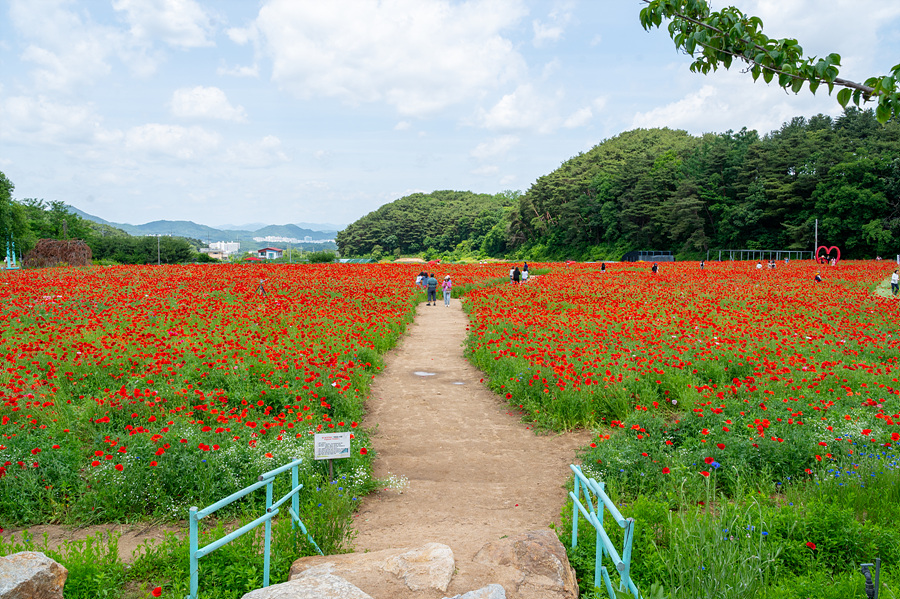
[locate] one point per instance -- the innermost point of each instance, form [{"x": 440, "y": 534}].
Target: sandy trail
[{"x": 476, "y": 472}]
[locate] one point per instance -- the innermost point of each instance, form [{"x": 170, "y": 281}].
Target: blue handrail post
[
  {"x": 575, "y": 518},
  {"x": 194, "y": 542},
  {"x": 268, "y": 540}
]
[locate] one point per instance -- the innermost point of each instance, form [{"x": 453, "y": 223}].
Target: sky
[{"x": 285, "y": 111}]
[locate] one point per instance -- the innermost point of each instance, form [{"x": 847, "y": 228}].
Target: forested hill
[
  {"x": 441, "y": 221},
  {"x": 660, "y": 189}
]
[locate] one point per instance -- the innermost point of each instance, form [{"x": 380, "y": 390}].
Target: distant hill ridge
[{"x": 192, "y": 230}]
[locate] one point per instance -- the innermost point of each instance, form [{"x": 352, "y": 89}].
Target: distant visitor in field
[
  {"x": 511, "y": 272},
  {"x": 524, "y": 275},
  {"x": 261, "y": 288},
  {"x": 446, "y": 287},
  {"x": 603, "y": 267},
  {"x": 517, "y": 275},
  {"x": 759, "y": 265},
  {"x": 654, "y": 268},
  {"x": 431, "y": 286},
  {"x": 895, "y": 283},
  {"x": 702, "y": 264},
  {"x": 818, "y": 278}
]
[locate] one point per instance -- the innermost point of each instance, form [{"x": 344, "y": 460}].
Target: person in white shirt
[{"x": 895, "y": 283}]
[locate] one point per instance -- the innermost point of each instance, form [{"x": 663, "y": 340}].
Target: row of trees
[
  {"x": 440, "y": 221},
  {"x": 660, "y": 189}
]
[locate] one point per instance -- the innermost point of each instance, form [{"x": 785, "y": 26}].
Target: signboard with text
[{"x": 331, "y": 446}]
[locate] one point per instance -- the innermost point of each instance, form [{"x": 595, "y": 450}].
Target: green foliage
[
  {"x": 437, "y": 223},
  {"x": 143, "y": 250},
  {"x": 323, "y": 257},
  {"x": 717, "y": 38},
  {"x": 94, "y": 568},
  {"x": 660, "y": 189}
]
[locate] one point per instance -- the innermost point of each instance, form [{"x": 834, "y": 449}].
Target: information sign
[{"x": 330, "y": 446}]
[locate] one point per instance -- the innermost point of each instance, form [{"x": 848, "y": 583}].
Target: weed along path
[{"x": 475, "y": 472}]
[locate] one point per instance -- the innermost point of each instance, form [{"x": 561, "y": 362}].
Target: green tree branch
[{"x": 716, "y": 38}]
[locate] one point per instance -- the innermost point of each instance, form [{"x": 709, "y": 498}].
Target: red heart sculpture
[{"x": 824, "y": 259}]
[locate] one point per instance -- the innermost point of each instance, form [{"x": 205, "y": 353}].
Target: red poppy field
[
  {"x": 709, "y": 387},
  {"x": 741, "y": 416},
  {"x": 137, "y": 392}
]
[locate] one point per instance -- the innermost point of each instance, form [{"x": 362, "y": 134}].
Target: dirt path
[{"x": 475, "y": 471}]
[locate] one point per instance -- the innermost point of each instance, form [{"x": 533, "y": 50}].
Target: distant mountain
[
  {"x": 206, "y": 234},
  {"x": 321, "y": 227},
  {"x": 246, "y": 227}
]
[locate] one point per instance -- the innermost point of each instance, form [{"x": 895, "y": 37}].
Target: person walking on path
[
  {"x": 446, "y": 287},
  {"x": 431, "y": 285},
  {"x": 517, "y": 276},
  {"x": 895, "y": 283}
]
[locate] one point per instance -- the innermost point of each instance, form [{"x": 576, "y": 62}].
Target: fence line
[
  {"x": 585, "y": 486},
  {"x": 267, "y": 480}
]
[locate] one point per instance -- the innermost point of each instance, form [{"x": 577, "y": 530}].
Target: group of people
[
  {"x": 517, "y": 276},
  {"x": 430, "y": 284}
]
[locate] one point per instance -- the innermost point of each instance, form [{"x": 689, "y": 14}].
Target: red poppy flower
[
  {"x": 811, "y": 545},
  {"x": 720, "y": 445},
  {"x": 156, "y": 592},
  {"x": 705, "y": 473},
  {"x": 666, "y": 470},
  {"x": 120, "y": 467},
  {"x": 363, "y": 451}
]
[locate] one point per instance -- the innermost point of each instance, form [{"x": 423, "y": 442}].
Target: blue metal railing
[
  {"x": 272, "y": 509},
  {"x": 585, "y": 487}
]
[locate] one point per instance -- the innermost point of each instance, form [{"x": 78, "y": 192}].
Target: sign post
[{"x": 332, "y": 446}]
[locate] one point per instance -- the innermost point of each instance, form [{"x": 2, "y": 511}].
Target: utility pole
[{"x": 816, "y": 246}]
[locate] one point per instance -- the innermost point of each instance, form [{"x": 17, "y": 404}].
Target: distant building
[
  {"x": 227, "y": 247},
  {"x": 270, "y": 253},
  {"x": 213, "y": 253}
]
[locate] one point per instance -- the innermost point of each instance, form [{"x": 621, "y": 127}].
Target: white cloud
[
  {"x": 731, "y": 100},
  {"x": 239, "y": 71},
  {"x": 495, "y": 147},
  {"x": 184, "y": 143},
  {"x": 524, "y": 108},
  {"x": 579, "y": 118},
  {"x": 205, "y": 103},
  {"x": 485, "y": 171},
  {"x": 402, "y": 126},
  {"x": 266, "y": 152},
  {"x": 418, "y": 56},
  {"x": 66, "y": 49},
  {"x": 553, "y": 28},
  {"x": 179, "y": 23},
  {"x": 44, "y": 120}
]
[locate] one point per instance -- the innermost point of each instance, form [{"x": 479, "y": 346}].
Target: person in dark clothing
[
  {"x": 603, "y": 267},
  {"x": 517, "y": 276},
  {"x": 654, "y": 268},
  {"x": 431, "y": 286}
]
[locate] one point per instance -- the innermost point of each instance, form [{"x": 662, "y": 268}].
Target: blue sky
[{"x": 283, "y": 111}]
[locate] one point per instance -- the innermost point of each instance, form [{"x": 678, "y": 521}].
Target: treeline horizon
[{"x": 666, "y": 190}]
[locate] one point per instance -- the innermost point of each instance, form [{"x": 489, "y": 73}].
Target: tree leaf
[{"x": 843, "y": 97}]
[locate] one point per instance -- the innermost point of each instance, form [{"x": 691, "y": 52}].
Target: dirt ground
[{"x": 475, "y": 471}]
